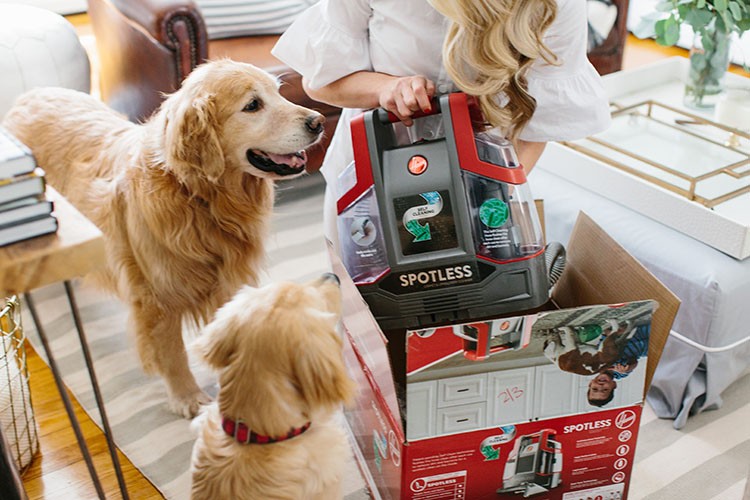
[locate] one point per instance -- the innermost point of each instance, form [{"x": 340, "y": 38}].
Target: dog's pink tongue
[{"x": 296, "y": 160}]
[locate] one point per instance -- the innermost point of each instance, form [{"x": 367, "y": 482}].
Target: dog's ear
[
  {"x": 321, "y": 374},
  {"x": 192, "y": 138},
  {"x": 217, "y": 343}
]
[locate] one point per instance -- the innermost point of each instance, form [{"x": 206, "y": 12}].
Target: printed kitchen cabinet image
[{"x": 513, "y": 370}]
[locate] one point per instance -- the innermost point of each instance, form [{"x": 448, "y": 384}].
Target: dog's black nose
[
  {"x": 314, "y": 123},
  {"x": 330, "y": 277}
]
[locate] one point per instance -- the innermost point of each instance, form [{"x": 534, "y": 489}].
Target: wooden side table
[{"x": 76, "y": 249}]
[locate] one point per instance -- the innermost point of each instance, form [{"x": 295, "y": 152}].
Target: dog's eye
[{"x": 253, "y": 105}]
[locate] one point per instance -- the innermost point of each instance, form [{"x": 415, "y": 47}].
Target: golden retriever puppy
[
  {"x": 183, "y": 199},
  {"x": 272, "y": 434}
]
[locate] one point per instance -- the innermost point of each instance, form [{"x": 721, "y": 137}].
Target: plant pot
[{"x": 709, "y": 61}]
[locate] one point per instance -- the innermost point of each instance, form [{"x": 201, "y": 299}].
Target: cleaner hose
[{"x": 554, "y": 257}]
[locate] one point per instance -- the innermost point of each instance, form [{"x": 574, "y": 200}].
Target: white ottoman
[{"x": 38, "y": 48}]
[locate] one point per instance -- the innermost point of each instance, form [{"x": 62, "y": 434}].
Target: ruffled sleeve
[
  {"x": 327, "y": 41},
  {"x": 570, "y": 96}
]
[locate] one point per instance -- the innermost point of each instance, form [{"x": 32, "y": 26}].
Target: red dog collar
[{"x": 242, "y": 434}]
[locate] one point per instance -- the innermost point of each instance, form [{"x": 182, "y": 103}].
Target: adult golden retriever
[
  {"x": 272, "y": 433},
  {"x": 183, "y": 199}
]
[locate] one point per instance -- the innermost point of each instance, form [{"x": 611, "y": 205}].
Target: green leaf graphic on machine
[
  {"x": 493, "y": 212},
  {"x": 413, "y": 215}
]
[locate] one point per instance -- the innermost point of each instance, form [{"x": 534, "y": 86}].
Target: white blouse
[{"x": 335, "y": 38}]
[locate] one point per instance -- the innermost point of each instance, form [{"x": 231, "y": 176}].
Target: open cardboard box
[{"x": 451, "y": 420}]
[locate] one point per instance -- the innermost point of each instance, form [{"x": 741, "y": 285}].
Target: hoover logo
[
  {"x": 431, "y": 278},
  {"x": 625, "y": 419},
  {"x": 413, "y": 215}
]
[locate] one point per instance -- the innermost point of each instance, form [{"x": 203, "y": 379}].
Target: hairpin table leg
[
  {"x": 64, "y": 396},
  {"x": 97, "y": 392}
]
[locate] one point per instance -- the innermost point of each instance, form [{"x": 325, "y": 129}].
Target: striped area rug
[{"x": 707, "y": 460}]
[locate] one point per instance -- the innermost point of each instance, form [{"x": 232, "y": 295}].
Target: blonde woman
[{"x": 524, "y": 59}]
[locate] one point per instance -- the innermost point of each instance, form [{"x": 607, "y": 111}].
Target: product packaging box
[{"x": 544, "y": 405}]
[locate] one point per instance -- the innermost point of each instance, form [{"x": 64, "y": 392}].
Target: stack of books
[{"x": 25, "y": 212}]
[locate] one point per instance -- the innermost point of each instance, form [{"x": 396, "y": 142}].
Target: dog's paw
[{"x": 188, "y": 405}]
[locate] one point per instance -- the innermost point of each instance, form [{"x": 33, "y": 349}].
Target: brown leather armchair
[
  {"x": 607, "y": 57},
  {"x": 146, "y": 48}
]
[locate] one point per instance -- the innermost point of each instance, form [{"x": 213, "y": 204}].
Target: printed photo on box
[{"x": 527, "y": 368}]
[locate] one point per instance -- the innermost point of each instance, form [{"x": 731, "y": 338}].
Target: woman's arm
[
  {"x": 401, "y": 96},
  {"x": 529, "y": 153}
]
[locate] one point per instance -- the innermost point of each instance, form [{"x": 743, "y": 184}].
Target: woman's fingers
[
  {"x": 423, "y": 90},
  {"x": 407, "y": 105},
  {"x": 409, "y": 95}
]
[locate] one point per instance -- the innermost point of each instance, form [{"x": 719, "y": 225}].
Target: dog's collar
[{"x": 242, "y": 434}]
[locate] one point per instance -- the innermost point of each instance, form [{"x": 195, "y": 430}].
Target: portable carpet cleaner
[
  {"x": 534, "y": 466},
  {"x": 436, "y": 222},
  {"x": 485, "y": 338}
]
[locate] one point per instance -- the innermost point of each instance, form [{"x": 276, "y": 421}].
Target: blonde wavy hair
[{"x": 490, "y": 46}]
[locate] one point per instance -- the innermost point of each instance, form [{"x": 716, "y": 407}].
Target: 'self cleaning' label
[{"x": 425, "y": 222}]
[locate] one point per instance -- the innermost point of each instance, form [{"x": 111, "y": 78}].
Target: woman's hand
[{"x": 403, "y": 96}]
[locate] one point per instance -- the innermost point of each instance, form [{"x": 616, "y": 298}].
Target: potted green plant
[{"x": 713, "y": 23}]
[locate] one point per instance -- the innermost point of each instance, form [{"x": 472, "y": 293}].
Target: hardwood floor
[{"x": 59, "y": 472}]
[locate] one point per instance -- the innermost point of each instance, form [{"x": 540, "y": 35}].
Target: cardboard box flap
[
  {"x": 369, "y": 342},
  {"x": 598, "y": 270}
]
